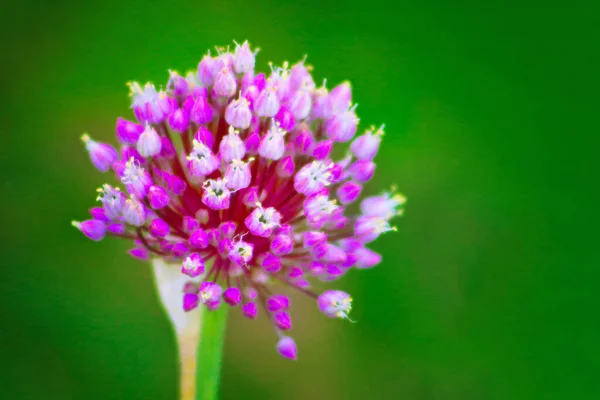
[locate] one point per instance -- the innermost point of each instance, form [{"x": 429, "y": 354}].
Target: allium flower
[{"x": 229, "y": 173}]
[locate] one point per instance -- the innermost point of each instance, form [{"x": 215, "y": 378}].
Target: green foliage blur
[{"x": 489, "y": 289}]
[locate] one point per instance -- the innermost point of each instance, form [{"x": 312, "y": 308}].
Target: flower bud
[
  {"x": 216, "y": 194},
  {"x": 179, "y": 120},
  {"x": 243, "y": 58},
  {"x": 241, "y": 252},
  {"x": 300, "y": 76},
  {"x": 128, "y": 132},
  {"x": 201, "y": 160},
  {"x": 136, "y": 179},
  {"x": 261, "y": 222},
  {"x": 149, "y": 144},
  {"x": 180, "y": 249},
  {"x": 117, "y": 228},
  {"x": 322, "y": 150},
  {"x": 366, "y": 258},
  {"x": 282, "y": 244},
  {"x": 295, "y": 272},
  {"x": 342, "y": 127},
  {"x": 225, "y": 83},
  {"x": 227, "y": 229},
  {"x": 250, "y": 198},
  {"x": 285, "y": 119},
  {"x": 278, "y": 303},
  {"x": 335, "y": 303},
  {"x": 287, "y": 348},
  {"x": 238, "y": 114},
  {"x": 260, "y": 81},
  {"x": 210, "y": 292},
  {"x": 232, "y": 147},
  {"x": 365, "y": 146},
  {"x": 340, "y": 97},
  {"x": 232, "y": 296},
  {"x": 99, "y": 213},
  {"x": 368, "y": 228},
  {"x": 139, "y": 253},
  {"x": 158, "y": 228},
  {"x": 177, "y": 85},
  {"x": 271, "y": 263},
  {"x": 272, "y": 145},
  {"x": 207, "y": 70},
  {"x": 322, "y": 108},
  {"x": 201, "y": 112},
  {"x": 130, "y": 152},
  {"x": 112, "y": 201},
  {"x": 312, "y": 178},
  {"x": 190, "y": 301},
  {"x": 304, "y": 141},
  {"x": 193, "y": 266},
  {"x": 238, "y": 175},
  {"x": 102, "y": 155},
  {"x": 157, "y": 197},
  {"x": 190, "y": 224},
  {"x": 286, "y": 167},
  {"x": 267, "y": 103},
  {"x": 199, "y": 238},
  {"x": 361, "y": 170},
  {"x": 252, "y": 143},
  {"x": 348, "y": 192},
  {"x": 92, "y": 228},
  {"x": 250, "y": 310},
  {"x": 312, "y": 239},
  {"x": 282, "y": 320},
  {"x": 300, "y": 104},
  {"x": 134, "y": 211},
  {"x": 205, "y": 137}
]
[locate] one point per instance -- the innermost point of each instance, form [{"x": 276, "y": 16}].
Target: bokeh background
[{"x": 489, "y": 289}]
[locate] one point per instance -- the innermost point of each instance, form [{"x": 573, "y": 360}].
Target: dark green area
[{"x": 489, "y": 289}]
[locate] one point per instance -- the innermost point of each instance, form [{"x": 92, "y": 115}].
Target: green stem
[
  {"x": 210, "y": 353},
  {"x": 199, "y": 335}
]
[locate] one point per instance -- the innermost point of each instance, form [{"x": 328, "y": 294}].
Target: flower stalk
[
  {"x": 199, "y": 334},
  {"x": 187, "y": 343},
  {"x": 209, "y": 354}
]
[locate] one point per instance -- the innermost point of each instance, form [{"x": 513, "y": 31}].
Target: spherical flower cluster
[{"x": 230, "y": 173}]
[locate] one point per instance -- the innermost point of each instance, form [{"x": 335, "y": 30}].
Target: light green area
[
  {"x": 489, "y": 289},
  {"x": 210, "y": 354}
]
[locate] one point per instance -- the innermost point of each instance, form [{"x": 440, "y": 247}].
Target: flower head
[{"x": 229, "y": 174}]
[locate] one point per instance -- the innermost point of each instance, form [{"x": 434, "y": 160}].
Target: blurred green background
[{"x": 489, "y": 289}]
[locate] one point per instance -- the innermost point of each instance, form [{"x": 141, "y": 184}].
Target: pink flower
[{"x": 241, "y": 189}]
